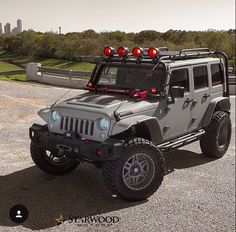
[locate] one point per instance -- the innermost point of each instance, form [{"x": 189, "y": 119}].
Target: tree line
[{"x": 89, "y": 42}]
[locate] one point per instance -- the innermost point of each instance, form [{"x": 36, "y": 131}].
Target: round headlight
[
  {"x": 55, "y": 116},
  {"x": 104, "y": 123}
]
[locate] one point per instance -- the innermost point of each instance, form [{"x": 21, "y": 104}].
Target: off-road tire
[
  {"x": 112, "y": 171},
  {"x": 209, "y": 142},
  {"x": 39, "y": 157}
]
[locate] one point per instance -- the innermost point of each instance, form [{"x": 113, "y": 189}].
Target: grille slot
[
  {"x": 81, "y": 126},
  {"x": 92, "y": 128}
]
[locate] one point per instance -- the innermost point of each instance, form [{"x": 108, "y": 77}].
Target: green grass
[
  {"x": 19, "y": 77},
  {"x": 10, "y": 67},
  {"x": 54, "y": 63},
  {"x": 7, "y": 67}
]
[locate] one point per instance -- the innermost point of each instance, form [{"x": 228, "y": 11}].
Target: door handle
[
  {"x": 188, "y": 100},
  {"x": 206, "y": 95}
]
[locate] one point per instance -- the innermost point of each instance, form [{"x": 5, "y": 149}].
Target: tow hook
[{"x": 62, "y": 149}]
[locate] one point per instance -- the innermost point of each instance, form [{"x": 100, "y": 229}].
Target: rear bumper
[{"x": 74, "y": 146}]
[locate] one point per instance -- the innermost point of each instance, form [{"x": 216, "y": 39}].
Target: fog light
[{"x": 98, "y": 152}]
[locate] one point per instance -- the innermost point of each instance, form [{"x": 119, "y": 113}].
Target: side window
[
  {"x": 217, "y": 75},
  {"x": 180, "y": 77},
  {"x": 200, "y": 77}
]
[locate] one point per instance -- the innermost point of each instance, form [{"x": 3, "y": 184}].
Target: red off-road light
[
  {"x": 137, "y": 52},
  {"x": 122, "y": 51},
  {"x": 90, "y": 85},
  {"x": 109, "y": 51},
  {"x": 152, "y": 52},
  {"x": 154, "y": 90}
]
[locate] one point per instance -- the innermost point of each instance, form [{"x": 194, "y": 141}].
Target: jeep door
[
  {"x": 201, "y": 93},
  {"x": 178, "y": 113}
]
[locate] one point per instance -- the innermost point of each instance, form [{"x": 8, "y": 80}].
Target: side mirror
[{"x": 177, "y": 92}]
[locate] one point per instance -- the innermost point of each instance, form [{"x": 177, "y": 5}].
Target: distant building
[
  {"x": 1, "y": 29},
  {"x": 19, "y": 25},
  {"x": 14, "y": 31},
  {"x": 7, "y": 29}
]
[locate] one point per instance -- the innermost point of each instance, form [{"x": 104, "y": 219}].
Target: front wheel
[
  {"x": 50, "y": 163},
  {"x": 138, "y": 173}
]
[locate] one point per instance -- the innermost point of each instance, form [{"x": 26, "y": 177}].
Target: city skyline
[
  {"x": 6, "y": 29},
  {"x": 128, "y": 16}
]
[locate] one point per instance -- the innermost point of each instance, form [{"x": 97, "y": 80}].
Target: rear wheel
[
  {"x": 215, "y": 141},
  {"x": 138, "y": 173},
  {"x": 54, "y": 164}
]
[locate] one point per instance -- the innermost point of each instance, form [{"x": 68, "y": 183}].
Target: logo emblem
[{"x": 18, "y": 213}]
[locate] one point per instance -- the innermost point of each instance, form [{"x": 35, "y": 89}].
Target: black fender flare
[
  {"x": 217, "y": 104},
  {"x": 151, "y": 124}
]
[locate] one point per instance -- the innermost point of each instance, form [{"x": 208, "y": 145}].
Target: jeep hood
[{"x": 106, "y": 103}]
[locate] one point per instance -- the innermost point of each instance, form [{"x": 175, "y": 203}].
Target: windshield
[{"x": 131, "y": 77}]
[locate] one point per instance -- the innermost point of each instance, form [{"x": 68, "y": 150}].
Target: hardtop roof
[{"x": 187, "y": 62}]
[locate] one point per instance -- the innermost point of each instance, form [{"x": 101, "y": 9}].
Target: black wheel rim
[
  {"x": 138, "y": 171},
  {"x": 55, "y": 159}
]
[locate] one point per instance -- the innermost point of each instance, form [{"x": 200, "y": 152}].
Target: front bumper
[{"x": 74, "y": 146}]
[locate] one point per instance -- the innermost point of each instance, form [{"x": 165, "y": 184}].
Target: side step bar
[{"x": 181, "y": 141}]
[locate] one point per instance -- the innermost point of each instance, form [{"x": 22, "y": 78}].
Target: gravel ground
[{"x": 197, "y": 195}]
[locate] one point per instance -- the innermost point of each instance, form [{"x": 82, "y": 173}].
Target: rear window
[
  {"x": 200, "y": 77},
  {"x": 217, "y": 76}
]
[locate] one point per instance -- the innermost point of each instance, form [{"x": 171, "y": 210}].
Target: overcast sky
[{"x": 124, "y": 15}]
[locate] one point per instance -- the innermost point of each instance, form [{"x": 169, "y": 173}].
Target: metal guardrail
[
  {"x": 13, "y": 72},
  {"x": 232, "y": 80},
  {"x": 63, "y": 72}
]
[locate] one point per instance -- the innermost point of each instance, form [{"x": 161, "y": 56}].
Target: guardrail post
[{"x": 32, "y": 72}]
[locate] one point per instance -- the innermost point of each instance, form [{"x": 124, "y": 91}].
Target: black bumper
[{"x": 74, "y": 146}]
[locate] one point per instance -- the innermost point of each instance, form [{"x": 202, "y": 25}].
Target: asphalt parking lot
[{"x": 197, "y": 195}]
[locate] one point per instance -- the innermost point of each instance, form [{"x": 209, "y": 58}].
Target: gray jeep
[{"x": 138, "y": 106}]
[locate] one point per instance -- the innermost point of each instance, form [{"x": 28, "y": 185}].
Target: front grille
[{"x": 81, "y": 126}]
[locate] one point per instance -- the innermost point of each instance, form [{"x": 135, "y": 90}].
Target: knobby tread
[
  {"x": 111, "y": 171},
  {"x": 38, "y": 156},
  {"x": 208, "y": 141}
]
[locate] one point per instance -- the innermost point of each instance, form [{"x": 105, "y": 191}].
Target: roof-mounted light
[
  {"x": 122, "y": 51},
  {"x": 137, "y": 52},
  {"x": 153, "y": 52},
  {"x": 109, "y": 51}
]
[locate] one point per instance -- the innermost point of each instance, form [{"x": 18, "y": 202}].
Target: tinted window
[
  {"x": 131, "y": 77},
  {"x": 180, "y": 78},
  {"x": 216, "y": 74},
  {"x": 200, "y": 77}
]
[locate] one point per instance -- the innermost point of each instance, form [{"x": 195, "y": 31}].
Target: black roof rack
[
  {"x": 195, "y": 50},
  {"x": 184, "y": 54}
]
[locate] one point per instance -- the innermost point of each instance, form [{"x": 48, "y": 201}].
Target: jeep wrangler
[{"x": 138, "y": 106}]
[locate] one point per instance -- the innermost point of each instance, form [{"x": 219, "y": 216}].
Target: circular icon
[{"x": 18, "y": 213}]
